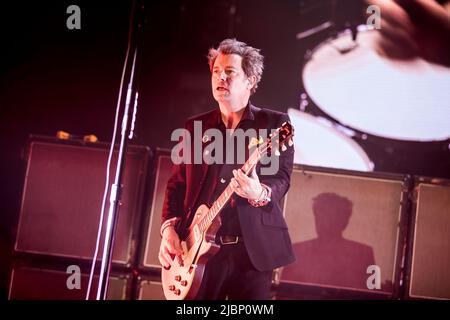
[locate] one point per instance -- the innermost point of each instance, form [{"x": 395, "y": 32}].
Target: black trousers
[{"x": 229, "y": 274}]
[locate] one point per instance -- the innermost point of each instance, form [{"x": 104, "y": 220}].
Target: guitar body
[{"x": 184, "y": 277}]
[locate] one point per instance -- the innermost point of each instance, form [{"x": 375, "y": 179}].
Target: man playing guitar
[{"x": 207, "y": 256}]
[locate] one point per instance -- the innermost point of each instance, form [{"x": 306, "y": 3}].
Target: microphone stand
[{"x": 134, "y": 41}]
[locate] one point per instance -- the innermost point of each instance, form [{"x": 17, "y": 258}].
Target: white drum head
[
  {"x": 405, "y": 100},
  {"x": 318, "y": 143}
]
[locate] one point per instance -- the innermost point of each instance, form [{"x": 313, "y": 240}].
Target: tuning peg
[
  {"x": 277, "y": 152},
  {"x": 290, "y": 142},
  {"x": 283, "y": 147}
]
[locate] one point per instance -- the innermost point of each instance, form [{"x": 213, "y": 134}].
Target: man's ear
[{"x": 251, "y": 82}]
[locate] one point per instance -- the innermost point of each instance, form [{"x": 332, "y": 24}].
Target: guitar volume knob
[
  {"x": 171, "y": 287},
  {"x": 177, "y": 292},
  {"x": 184, "y": 283},
  {"x": 177, "y": 278}
]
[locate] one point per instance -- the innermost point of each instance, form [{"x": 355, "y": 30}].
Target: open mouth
[{"x": 219, "y": 88}]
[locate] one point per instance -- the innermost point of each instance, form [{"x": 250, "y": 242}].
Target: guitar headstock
[{"x": 281, "y": 138}]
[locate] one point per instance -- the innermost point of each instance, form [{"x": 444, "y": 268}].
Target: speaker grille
[
  {"x": 62, "y": 198},
  {"x": 153, "y": 240},
  {"x": 28, "y": 283},
  {"x": 430, "y": 276},
  {"x": 150, "y": 290},
  {"x": 340, "y": 225}
]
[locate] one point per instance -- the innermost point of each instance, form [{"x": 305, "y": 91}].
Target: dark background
[{"x": 53, "y": 78}]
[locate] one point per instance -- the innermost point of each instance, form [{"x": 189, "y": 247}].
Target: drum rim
[
  {"x": 361, "y": 131},
  {"x": 311, "y": 53},
  {"x": 352, "y": 143}
]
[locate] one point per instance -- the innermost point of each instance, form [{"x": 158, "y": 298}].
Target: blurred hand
[
  {"x": 170, "y": 245},
  {"x": 414, "y": 28}
]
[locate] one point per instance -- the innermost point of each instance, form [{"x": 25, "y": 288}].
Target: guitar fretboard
[{"x": 225, "y": 196}]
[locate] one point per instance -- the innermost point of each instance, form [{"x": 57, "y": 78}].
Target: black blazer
[{"x": 264, "y": 229}]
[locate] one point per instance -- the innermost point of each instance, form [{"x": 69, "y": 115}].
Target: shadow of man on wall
[{"x": 330, "y": 259}]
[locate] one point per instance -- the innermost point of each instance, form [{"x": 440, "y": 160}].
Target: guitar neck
[{"x": 225, "y": 196}]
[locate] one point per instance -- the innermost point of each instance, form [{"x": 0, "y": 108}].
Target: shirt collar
[{"x": 247, "y": 115}]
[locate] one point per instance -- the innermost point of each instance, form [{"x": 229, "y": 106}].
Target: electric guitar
[{"x": 183, "y": 278}]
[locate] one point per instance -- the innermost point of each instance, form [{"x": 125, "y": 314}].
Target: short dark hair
[{"x": 252, "y": 60}]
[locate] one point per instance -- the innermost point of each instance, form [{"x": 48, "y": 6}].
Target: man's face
[{"x": 229, "y": 82}]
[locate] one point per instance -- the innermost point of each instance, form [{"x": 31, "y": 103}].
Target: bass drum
[
  {"x": 358, "y": 87},
  {"x": 318, "y": 143}
]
